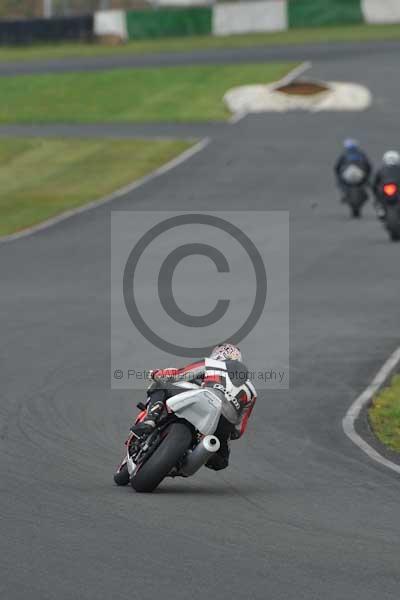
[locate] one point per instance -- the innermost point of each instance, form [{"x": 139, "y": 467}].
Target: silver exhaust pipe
[{"x": 200, "y": 455}]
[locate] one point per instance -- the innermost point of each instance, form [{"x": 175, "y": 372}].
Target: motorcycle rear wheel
[{"x": 177, "y": 441}]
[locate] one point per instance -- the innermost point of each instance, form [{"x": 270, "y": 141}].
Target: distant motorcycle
[
  {"x": 179, "y": 446},
  {"x": 355, "y": 192},
  {"x": 390, "y": 198}
]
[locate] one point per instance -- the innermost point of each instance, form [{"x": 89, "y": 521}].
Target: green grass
[
  {"x": 294, "y": 36},
  {"x": 41, "y": 178},
  {"x": 384, "y": 415},
  {"x": 135, "y": 95}
]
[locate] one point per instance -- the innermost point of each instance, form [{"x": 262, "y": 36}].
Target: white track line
[
  {"x": 352, "y": 414},
  {"x": 172, "y": 164},
  {"x": 294, "y": 74},
  {"x": 237, "y": 117}
]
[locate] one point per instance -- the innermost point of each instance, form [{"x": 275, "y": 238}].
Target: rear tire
[
  {"x": 355, "y": 212},
  {"x": 177, "y": 441},
  {"x": 393, "y": 223},
  {"x": 121, "y": 477}
]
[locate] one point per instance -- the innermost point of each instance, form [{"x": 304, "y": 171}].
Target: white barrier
[
  {"x": 111, "y": 22},
  {"x": 249, "y": 17},
  {"x": 186, "y": 3},
  {"x": 381, "y": 11},
  {"x": 244, "y": 17}
]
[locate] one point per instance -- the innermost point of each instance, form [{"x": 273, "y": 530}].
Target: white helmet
[
  {"x": 391, "y": 158},
  {"x": 226, "y": 352}
]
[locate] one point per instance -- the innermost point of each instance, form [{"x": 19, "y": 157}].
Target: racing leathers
[
  {"x": 228, "y": 379},
  {"x": 353, "y": 157}
]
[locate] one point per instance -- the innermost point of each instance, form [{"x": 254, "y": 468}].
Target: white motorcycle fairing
[
  {"x": 202, "y": 408},
  {"x": 353, "y": 175}
]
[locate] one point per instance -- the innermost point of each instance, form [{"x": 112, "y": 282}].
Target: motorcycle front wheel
[
  {"x": 177, "y": 441},
  {"x": 121, "y": 477}
]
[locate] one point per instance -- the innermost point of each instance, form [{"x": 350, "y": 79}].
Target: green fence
[
  {"x": 315, "y": 13},
  {"x": 169, "y": 22}
]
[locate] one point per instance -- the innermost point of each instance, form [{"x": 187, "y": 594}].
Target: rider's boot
[{"x": 154, "y": 412}]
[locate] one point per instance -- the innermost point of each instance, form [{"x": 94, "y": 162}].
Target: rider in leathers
[
  {"x": 389, "y": 172},
  {"x": 352, "y": 155},
  {"x": 227, "y": 376}
]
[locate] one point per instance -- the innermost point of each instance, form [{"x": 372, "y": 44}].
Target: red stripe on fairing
[
  {"x": 141, "y": 416},
  {"x": 214, "y": 378}
]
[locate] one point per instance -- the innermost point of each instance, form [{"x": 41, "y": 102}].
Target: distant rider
[
  {"x": 223, "y": 372},
  {"x": 389, "y": 172},
  {"x": 353, "y": 167}
]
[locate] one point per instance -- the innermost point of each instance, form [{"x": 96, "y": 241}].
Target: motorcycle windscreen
[{"x": 202, "y": 408}]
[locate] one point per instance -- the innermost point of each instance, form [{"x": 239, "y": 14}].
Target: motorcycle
[
  {"x": 181, "y": 443},
  {"x": 356, "y": 194},
  {"x": 390, "y": 201}
]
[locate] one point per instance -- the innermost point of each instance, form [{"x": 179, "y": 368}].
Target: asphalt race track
[
  {"x": 328, "y": 52},
  {"x": 301, "y": 513}
]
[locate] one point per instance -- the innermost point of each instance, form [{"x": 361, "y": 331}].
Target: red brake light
[{"x": 390, "y": 189}]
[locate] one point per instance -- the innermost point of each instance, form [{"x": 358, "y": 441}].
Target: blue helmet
[{"x": 350, "y": 144}]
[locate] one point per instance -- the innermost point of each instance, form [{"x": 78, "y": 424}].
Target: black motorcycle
[
  {"x": 355, "y": 198},
  {"x": 355, "y": 189},
  {"x": 390, "y": 198}
]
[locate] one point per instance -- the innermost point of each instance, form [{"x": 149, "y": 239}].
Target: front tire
[
  {"x": 177, "y": 441},
  {"x": 121, "y": 477}
]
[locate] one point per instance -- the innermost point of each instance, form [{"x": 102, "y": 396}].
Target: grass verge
[
  {"x": 384, "y": 415},
  {"x": 135, "y": 95},
  {"x": 40, "y": 178},
  {"x": 185, "y": 44}
]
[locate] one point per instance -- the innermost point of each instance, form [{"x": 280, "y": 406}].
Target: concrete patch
[{"x": 266, "y": 98}]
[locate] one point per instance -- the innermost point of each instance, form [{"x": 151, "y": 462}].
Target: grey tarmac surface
[
  {"x": 327, "y": 52},
  {"x": 117, "y": 130},
  {"x": 301, "y": 514}
]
